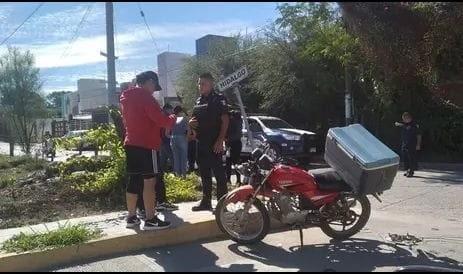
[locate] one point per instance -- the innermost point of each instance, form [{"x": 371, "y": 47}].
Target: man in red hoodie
[{"x": 143, "y": 120}]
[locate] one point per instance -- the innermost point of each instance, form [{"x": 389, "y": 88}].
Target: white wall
[
  {"x": 170, "y": 65},
  {"x": 92, "y": 94}
]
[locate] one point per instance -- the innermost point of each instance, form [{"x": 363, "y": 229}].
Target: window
[
  {"x": 276, "y": 123},
  {"x": 254, "y": 126}
]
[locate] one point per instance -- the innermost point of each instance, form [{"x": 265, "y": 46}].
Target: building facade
[
  {"x": 206, "y": 44},
  {"x": 170, "y": 65}
]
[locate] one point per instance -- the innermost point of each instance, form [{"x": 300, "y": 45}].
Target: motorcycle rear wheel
[
  {"x": 360, "y": 222},
  {"x": 263, "y": 230}
]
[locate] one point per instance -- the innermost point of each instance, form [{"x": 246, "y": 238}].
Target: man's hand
[
  {"x": 192, "y": 135},
  {"x": 218, "y": 147},
  {"x": 193, "y": 123},
  {"x": 397, "y": 124}
]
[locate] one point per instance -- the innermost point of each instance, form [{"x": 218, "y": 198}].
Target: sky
[{"x": 175, "y": 26}]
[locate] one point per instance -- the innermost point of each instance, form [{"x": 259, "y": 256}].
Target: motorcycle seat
[{"x": 329, "y": 180}]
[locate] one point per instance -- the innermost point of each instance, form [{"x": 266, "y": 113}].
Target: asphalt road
[{"x": 428, "y": 207}]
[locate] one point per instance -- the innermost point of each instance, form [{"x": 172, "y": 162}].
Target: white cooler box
[{"x": 366, "y": 164}]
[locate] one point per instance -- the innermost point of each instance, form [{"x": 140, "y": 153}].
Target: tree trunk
[{"x": 11, "y": 148}]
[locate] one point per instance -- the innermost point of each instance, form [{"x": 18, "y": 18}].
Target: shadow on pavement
[
  {"x": 449, "y": 177},
  {"x": 353, "y": 255},
  {"x": 359, "y": 255}
]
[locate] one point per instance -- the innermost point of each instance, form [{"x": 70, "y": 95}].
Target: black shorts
[{"x": 141, "y": 161}]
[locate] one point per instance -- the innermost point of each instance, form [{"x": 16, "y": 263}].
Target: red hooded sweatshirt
[{"x": 143, "y": 119}]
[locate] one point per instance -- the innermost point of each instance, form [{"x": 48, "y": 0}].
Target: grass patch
[
  {"x": 35, "y": 164},
  {"x": 4, "y": 164},
  {"x": 13, "y": 169},
  {"x": 24, "y": 162},
  {"x": 64, "y": 236},
  {"x": 182, "y": 189},
  {"x": 6, "y": 181}
]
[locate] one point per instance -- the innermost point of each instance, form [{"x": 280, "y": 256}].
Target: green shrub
[
  {"x": 82, "y": 163},
  {"x": 181, "y": 189},
  {"x": 103, "y": 175},
  {"x": 68, "y": 143},
  {"x": 79, "y": 179},
  {"x": 64, "y": 236}
]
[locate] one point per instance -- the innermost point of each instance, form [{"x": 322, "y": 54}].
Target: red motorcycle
[{"x": 296, "y": 197}]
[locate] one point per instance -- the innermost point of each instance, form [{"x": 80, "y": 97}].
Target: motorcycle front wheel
[
  {"x": 242, "y": 222},
  {"x": 348, "y": 216}
]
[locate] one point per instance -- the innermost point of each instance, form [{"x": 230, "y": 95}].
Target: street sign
[{"x": 233, "y": 78}]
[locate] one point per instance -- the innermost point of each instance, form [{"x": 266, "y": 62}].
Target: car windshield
[{"x": 276, "y": 123}]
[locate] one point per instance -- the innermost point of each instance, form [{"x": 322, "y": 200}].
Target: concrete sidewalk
[
  {"x": 186, "y": 227},
  {"x": 113, "y": 223}
]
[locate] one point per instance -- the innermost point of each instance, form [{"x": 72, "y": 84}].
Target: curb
[
  {"x": 114, "y": 245},
  {"x": 108, "y": 245}
]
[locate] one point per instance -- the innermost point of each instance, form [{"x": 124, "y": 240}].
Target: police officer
[
  {"x": 411, "y": 143},
  {"x": 209, "y": 126},
  {"x": 234, "y": 144}
]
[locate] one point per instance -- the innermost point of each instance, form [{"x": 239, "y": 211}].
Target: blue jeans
[{"x": 179, "y": 146}]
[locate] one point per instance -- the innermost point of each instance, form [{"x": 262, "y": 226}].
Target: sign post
[{"x": 232, "y": 80}]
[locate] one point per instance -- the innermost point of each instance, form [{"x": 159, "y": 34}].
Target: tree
[
  {"x": 20, "y": 94},
  {"x": 222, "y": 59},
  {"x": 55, "y": 102},
  {"x": 299, "y": 79},
  {"x": 414, "y": 49}
]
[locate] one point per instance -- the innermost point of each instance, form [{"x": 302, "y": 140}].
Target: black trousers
[
  {"x": 210, "y": 162},
  {"x": 409, "y": 156},
  {"x": 235, "y": 154},
  {"x": 192, "y": 155}
]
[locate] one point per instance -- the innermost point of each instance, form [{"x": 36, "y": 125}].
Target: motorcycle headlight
[{"x": 292, "y": 137}]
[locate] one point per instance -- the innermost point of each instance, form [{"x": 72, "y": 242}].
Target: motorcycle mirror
[{"x": 265, "y": 162}]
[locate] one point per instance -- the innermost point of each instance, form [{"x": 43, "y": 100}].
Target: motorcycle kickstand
[{"x": 301, "y": 234}]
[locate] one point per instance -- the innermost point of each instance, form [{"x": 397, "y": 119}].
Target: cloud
[
  {"x": 130, "y": 44},
  {"x": 5, "y": 11},
  {"x": 47, "y": 36},
  {"x": 192, "y": 30},
  {"x": 52, "y": 26}
]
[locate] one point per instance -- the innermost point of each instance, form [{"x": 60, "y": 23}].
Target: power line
[
  {"x": 155, "y": 44},
  {"x": 75, "y": 36},
  {"x": 30, "y": 15},
  {"x": 148, "y": 27}
]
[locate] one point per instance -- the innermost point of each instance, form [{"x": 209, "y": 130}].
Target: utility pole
[
  {"x": 110, "y": 57},
  {"x": 348, "y": 96}
]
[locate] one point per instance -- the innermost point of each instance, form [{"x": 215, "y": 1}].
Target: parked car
[{"x": 284, "y": 139}]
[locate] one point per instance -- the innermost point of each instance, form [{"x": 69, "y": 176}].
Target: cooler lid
[{"x": 365, "y": 147}]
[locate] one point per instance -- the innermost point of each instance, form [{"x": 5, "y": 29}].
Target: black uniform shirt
[
  {"x": 410, "y": 131},
  {"x": 208, "y": 111}
]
